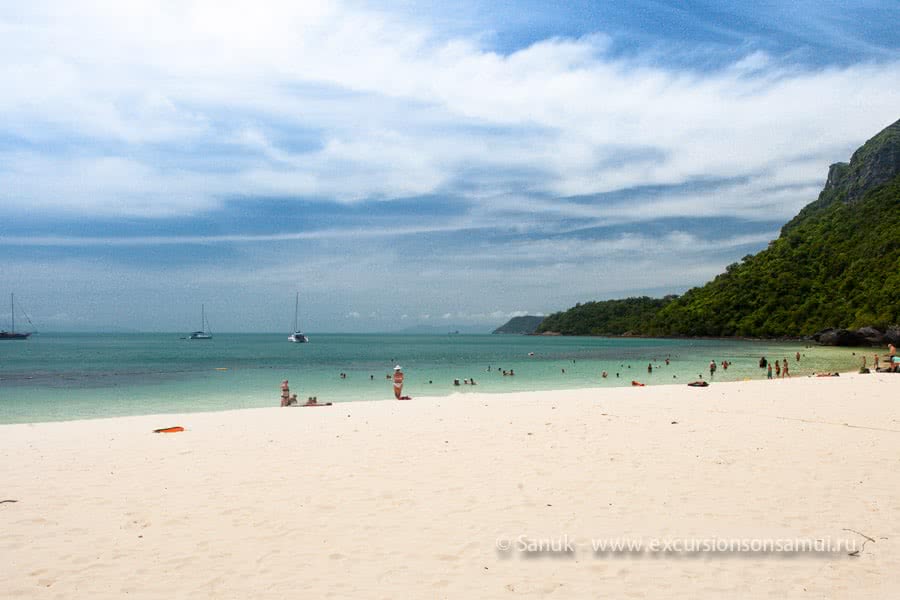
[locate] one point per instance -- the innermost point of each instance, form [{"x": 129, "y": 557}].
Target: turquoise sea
[{"x": 53, "y": 377}]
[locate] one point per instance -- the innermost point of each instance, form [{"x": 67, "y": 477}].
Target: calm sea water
[{"x": 77, "y": 376}]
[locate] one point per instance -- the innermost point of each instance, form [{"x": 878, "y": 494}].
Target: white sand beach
[{"x": 410, "y": 499}]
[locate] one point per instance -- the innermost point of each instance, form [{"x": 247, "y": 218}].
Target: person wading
[{"x": 398, "y": 382}]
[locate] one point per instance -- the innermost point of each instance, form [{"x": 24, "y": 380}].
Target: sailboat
[
  {"x": 12, "y": 334},
  {"x": 298, "y": 337},
  {"x": 204, "y": 333}
]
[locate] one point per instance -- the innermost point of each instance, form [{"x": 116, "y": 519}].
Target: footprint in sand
[{"x": 447, "y": 557}]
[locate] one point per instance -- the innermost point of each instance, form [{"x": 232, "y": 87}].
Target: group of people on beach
[
  {"x": 892, "y": 362},
  {"x": 288, "y": 399},
  {"x": 782, "y": 368}
]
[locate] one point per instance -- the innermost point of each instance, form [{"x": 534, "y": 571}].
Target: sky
[{"x": 411, "y": 164}]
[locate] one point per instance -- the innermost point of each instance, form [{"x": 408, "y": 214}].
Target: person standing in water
[
  {"x": 398, "y": 382},
  {"x": 712, "y": 368}
]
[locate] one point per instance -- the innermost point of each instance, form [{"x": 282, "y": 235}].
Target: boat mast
[
  {"x": 296, "y": 308},
  {"x": 202, "y": 317},
  {"x": 12, "y": 312}
]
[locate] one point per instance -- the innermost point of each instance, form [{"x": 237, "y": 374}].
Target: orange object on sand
[
  {"x": 169, "y": 430},
  {"x": 636, "y": 383}
]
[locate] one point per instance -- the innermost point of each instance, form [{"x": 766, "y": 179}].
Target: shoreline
[
  {"x": 726, "y": 338},
  {"x": 467, "y": 394},
  {"x": 150, "y": 375}
]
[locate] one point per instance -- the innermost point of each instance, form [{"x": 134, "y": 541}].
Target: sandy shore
[{"x": 409, "y": 499}]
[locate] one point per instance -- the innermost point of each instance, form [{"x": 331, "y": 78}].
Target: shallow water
[{"x": 53, "y": 377}]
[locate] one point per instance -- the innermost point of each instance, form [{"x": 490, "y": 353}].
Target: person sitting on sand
[{"x": 285, "y": 393}]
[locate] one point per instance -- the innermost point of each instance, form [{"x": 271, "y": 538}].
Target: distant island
[
  {"x": 520, "y": 325},
  {"x": 833, "y": 275}
]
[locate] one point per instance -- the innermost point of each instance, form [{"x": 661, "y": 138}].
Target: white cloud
[{"x": 397, "y": 109}]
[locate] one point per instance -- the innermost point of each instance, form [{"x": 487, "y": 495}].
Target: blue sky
[{"x": 409, "y": 164}]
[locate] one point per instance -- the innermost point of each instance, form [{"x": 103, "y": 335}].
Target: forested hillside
[{"x": 837, "y": 264}]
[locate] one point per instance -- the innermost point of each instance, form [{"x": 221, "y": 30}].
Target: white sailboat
[
  {"x": 298, "y": 337},
  {"x": 12, "y": 334},
  {"x": 204, "y": 333}
]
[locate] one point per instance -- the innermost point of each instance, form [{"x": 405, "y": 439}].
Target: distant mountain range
[
  {"x": 520, "y": 325},
  {"x": 835, "y": 265}
]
